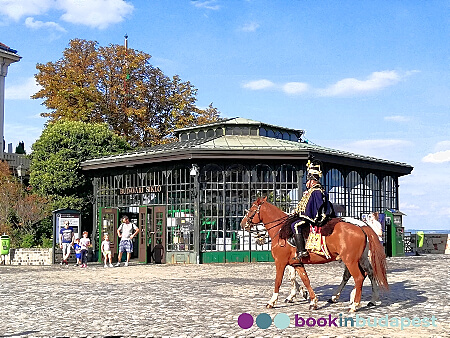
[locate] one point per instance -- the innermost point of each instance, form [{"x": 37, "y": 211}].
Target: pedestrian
[
  {"x": 66, "y": 239},
  {"x": 126, "y": 244},
  {"x": 106, "y": 250},
  {"x": 85, "y": 242},
  {"x": 77, "y": 248}
]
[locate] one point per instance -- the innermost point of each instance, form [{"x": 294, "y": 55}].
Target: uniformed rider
[{"x": 313, "y": 208}]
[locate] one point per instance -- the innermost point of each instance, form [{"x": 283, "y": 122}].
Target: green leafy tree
[
  {"x": 56, "y": 156},
  {"x": 119, "y": 87}
]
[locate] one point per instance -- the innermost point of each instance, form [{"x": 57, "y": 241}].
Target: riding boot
[{"x": 300, "y": 243}]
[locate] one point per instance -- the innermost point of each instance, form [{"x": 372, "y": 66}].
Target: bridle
[
  {"x": 260, "y": 235},
  {"x": 249, "y": 224}
]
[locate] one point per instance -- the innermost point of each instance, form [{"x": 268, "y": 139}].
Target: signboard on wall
[{"x": 74, "y": 222}]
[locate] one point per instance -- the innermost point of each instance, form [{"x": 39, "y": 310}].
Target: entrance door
[
  {"x": 143, "y": 236},
  {"x": 109, "y": 225},
  {"x": 152, "y": 226}
]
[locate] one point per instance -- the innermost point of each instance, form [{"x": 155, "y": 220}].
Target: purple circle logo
[{"x": 245, "y": 320}]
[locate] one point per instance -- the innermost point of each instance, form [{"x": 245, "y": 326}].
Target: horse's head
[{"x": 253, "y": 217}]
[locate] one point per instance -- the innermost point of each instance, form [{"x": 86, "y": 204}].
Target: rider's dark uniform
[{"x": 313, "y": 209}]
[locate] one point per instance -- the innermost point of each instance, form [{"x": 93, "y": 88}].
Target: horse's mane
[{"x": 326, "y": 230}]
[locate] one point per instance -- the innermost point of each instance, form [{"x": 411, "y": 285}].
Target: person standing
[
  {"x": 77, "y": 248},
  {"x": 126, "y": 234},
  {"x": 85, "y": 242},
  {"x": 66, "y": 239},
  {"x": 106, "y": 250}
]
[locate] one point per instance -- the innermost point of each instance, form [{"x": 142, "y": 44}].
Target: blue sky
[{"x": 371, "y": 77}]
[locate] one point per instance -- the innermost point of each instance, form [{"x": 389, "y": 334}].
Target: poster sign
[{"x": 74, "y": 222}]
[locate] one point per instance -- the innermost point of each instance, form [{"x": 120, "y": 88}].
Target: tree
[
  {"x": 20, "y": 149},
  {"x": 56, "y": 156},
  {"x": 21, "y": 211},
  {"x": 119, "y": 87}
]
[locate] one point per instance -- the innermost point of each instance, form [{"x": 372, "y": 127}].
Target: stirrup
[{"x": 301, "y": 255}]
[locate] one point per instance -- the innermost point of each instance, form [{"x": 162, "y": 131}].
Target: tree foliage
[
  {"x": 21, "y": 211},
  {"x": 120, "y": 87},
  {"x": 56, "y": 157}
]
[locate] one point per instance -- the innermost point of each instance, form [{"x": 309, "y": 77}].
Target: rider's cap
[{"x": 314, "y": 170}]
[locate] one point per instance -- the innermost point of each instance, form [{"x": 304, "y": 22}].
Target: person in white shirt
[{"x": 126, "y": 234}]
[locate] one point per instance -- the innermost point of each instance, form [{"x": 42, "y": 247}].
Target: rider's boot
[{"x": 300, "y": 243}]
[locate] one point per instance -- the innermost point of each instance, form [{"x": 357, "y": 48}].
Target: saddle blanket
[{"x": 316, "y": 243}]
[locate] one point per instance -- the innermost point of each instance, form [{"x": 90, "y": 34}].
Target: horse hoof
[
  {"x": 288, "y": 300},
  {"x": 305, "y": 295},
  {"x": 313, "y": 307},
  {"x": 371, "y": 304},
  {"x": 331, "y": 301},
  {"x": 351, "y": 310},
  {"x": 268, "y": 306}
]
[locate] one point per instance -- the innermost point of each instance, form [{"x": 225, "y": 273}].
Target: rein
[{"x": 249, "y": 224}]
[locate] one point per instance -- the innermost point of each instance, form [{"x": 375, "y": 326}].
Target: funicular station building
[{"x": 191, "y": 195}]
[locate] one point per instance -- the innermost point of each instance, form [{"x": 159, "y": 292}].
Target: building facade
[{"x": 190, "y": 196}]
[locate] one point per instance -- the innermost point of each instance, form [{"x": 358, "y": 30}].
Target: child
[
  {"x": 106, "y": 250},
  {"x": 84, "y": 243},
  {"x": 77, "y": 248}
]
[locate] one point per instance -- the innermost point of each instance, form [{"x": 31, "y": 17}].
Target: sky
[{"x": 369, "y": 77}]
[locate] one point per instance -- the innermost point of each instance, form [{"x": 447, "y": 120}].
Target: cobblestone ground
[{"x": 206, "y": 300}]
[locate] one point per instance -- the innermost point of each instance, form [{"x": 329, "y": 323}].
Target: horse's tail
[{"x": 377, "y": 258}]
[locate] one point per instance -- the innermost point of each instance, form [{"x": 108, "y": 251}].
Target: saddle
[{"x": 315, "y": 237}]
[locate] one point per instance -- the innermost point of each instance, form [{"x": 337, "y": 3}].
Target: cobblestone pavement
[{"x": 206, "y": 300}]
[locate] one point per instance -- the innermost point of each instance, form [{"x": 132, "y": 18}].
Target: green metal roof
[{"x": 242, "y": 147}]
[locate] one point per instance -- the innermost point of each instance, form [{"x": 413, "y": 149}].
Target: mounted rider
[{"x": 314, "y": 208}]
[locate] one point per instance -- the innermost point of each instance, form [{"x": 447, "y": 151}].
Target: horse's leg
[
  {"x": 295, "y": 286},
  {"x": 305, "y": 279},
  {"x": 367, "y": 267},
  {"x": 278, "y": 279},
  {"x": 355, "y": 295},
  {"x": 337, "y": 293}
]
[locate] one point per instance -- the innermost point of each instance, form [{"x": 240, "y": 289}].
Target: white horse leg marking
[
  {"x": 352, "y": 296},
  {"x": 272, "y": 300},
  {"x": 294, "y": 285},
  {"x": 313, "y": 303},
  {"x": 335, "y": 298}
]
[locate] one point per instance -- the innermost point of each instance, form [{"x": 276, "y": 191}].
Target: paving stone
[{"x": 206, "y": 300}]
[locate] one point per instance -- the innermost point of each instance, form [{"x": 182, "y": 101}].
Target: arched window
[
  {"x": 389, "y": 193},
  {"x": 355, "y": 190},
  {"x": 335, "y": 186},
  {"x": 373, "y": 193}
]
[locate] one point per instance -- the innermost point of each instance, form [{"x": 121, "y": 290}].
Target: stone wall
[
  {"x": 435, "y": 244},
  {"x": 31, "y": 256}
]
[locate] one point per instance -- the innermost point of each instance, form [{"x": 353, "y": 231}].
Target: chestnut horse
[{"x": 347, "y": 241}]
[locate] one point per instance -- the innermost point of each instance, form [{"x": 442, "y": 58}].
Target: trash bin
[{"x": 5, "y": 244}]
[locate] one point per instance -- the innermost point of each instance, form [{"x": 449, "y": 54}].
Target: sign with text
[{"x": 140, "y": 190}]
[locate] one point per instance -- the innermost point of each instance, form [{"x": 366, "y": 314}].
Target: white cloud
[
  {"x": 208, "y": 4},
  {"x": 294, "y": 88},
  {"x": 95, "y": 13},
  {"x": 352, "y": 86},
  {"x": 92, "y": 13},
  {"x": 397, "y": 118},
  {"x": 443, "y": 145},
  {"x": 22, "y": 91},
  {"x": 250, "y": 27},
  {"x": 31, "y": 23},
  {"x": 16, "y": 9},
  {"x": 258, "y": 84},
  {"x": 438, "y": 157}
]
